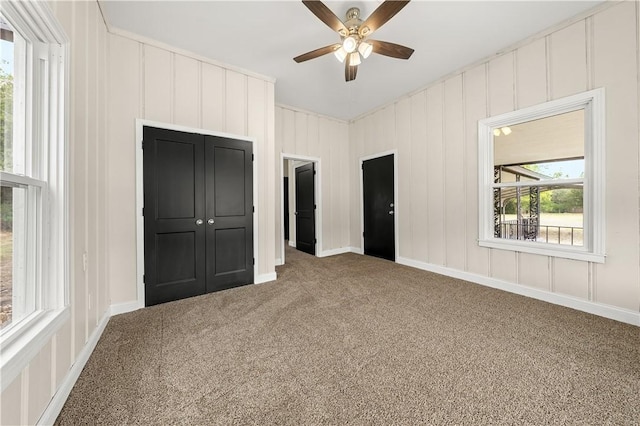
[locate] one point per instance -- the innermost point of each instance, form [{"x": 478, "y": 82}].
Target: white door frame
[
  {"x": 396, "y": 207},
  {"x": 318, "y": 199},
  {"x": 140, "y": 123}
]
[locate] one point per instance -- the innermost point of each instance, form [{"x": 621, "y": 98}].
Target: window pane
[
  {"x": 16, "y": 300},
  {"x": 547, "y": 214},
  {"x": 6, "y": 255},
  {"x": 566, "y": 169},
  {"x": 12, "y": 99},
  {"x": 6, "y": 96},
  {"x": 548, "y": 148}
]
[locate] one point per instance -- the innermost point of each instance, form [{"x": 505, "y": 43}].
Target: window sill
[
  {"x": 543, "y": 249},
  {"x": 21, "y": 345}
]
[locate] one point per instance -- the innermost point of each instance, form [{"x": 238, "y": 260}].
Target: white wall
[
  {"x": 114, "y": 80},
  {"x": 26, "y": 398},
  {"x": 435, "y": 133},
  {"x": 302, "y": 133},
  {"x": 156, "y": 82}
]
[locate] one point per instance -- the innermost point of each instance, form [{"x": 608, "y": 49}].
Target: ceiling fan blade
[
  {"x": 327, "y": 16},
  {"x": 350, "y": 71},
  {"x": 391, "y": 49},
  {"x": 380, "y": 16},
  {"x": 318, "y": 52}
]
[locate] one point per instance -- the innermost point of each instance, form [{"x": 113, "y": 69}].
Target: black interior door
[
  {"x": 378, "y": 193},
  {"x": 174, "y": 202},
  {"x": 229, "y": 205},
  {"x": 198, "y": 214},
  {"x": 305, "y": 209},
  {"x": 286, "y": 208}
]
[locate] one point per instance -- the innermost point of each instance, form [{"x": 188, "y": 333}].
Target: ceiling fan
[{"x": 354, "y": 35}]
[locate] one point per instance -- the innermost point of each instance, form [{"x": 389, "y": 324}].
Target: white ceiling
[{"x": 264, "y": 36}]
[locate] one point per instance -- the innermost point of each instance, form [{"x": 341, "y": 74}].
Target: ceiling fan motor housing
[{"x": 353, "y": 21}]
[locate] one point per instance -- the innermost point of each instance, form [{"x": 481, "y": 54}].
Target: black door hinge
[
  {"x": 363, "y": 234},
  {"x": 315, "y": 241},
  {"x": 143, "y": 211},
  {"x": 142, "y": 144},
  {"x": 253, "y": 209},
  {"x": 144, "y": 278},
  {"x": 254, "y": 261},
  {"x": 253, "y": 158},
  {"x": 314, "y": 207}
]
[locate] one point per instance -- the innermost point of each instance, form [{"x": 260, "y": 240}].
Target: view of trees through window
[
  {"x": 539, "y": 172},
  {"x": 6, "y": 164},
  {"x": 560, "y": 210},
  {"x": 563, "y": 200}
]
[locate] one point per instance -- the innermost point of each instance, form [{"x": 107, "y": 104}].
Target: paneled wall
[
  {"x": 115, "y": 79},
  {"x": 26, "y": 398},
  {"x": 301, "y": 133},
  {"x": 155, "y": 82},
  {"x": 435, "y": 133}
]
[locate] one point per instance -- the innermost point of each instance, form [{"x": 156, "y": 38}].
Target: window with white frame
[
  {"x": 542, "y": 178},
  {"x": 32, "y": 178}
]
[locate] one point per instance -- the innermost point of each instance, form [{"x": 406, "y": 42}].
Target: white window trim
[
  {"x": 593, "y": 102},
  {"x": 20, "y": 342}
]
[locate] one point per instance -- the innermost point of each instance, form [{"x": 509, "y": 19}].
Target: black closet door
[
  {"x": 198, "y": 214},
  {"x": 229, "y": 211},
  {"x": 174, "y": 194}
]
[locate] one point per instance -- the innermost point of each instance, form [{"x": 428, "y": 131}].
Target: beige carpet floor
[{"x": 356, "y": 340}]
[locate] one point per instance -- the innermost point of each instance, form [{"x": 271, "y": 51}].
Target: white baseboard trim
[
  {"x": 57, "y": 402},
  {"x": 356, "y": 250},
  {"x": 334, "y": 252},
  {"x": 123, "y": 308},
  {"x": 279, "y": 262},
  {"x": 292, "y": 243},
  {"x": 607, "y": 311},
  {"x": 265, "y": 278}
]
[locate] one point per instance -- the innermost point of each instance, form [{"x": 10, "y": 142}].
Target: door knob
[
  {"x": 199, "y": 222},
  {"x": 391, "y": 212},
  {"x": 210, "y": 221}
]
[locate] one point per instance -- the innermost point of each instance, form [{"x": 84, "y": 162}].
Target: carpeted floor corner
[{"x": 358, "y": 340}]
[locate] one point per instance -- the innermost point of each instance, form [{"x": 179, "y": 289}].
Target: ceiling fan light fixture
[
  {"x": 341, "y": 54},
  {"x": 349, "y": 44},
  {"x": 365, "y": 49},
  {"x": 353, "y": 32},
  {"x": 354, "y": 59}
]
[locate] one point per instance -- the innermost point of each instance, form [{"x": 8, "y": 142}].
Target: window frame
[
  {"x": 593, "y": 249},
  {"x": 45, "y": 130}
]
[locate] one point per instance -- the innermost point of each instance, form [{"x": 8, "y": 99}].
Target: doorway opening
[{"x": 309, "y": 217}]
